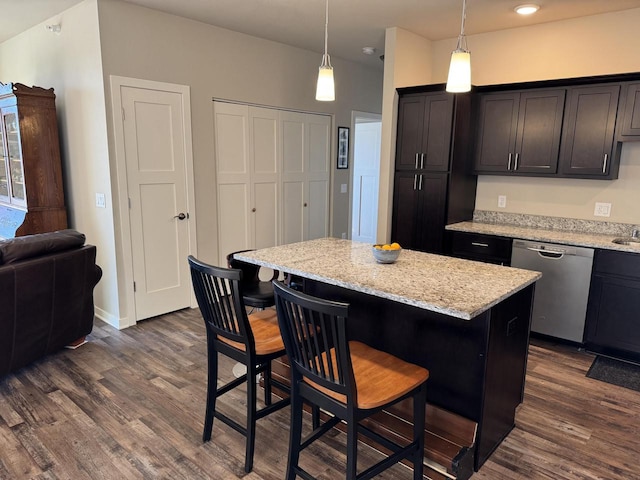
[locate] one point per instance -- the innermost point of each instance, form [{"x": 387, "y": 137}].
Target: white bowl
[{"x": 385, "y": 256}]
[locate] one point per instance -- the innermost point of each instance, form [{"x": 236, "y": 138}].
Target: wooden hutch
[{"x": 31, "y": 189}]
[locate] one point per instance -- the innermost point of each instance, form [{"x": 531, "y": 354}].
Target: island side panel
[{"x": 506, "y": 366}]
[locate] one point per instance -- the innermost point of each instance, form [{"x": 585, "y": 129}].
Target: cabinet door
[
  {"x": 17, "y": 191},
  {"x": 406, "y": 209},
  {"x": 497, "y": 124},
  {"x": 4, "y": 170},
  {"x": 432, "y": 190},
  {"x": 410, "y": 126},
  {"x": 538, "y": 134},
  {"x": 588, "y": 131},
  {"x": 612, "y": 317},
  {"x": 436, "y": 138},
  {"x": 631, "y": 119}
]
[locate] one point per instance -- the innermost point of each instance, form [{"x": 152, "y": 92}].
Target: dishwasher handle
[{"x": 547, "y": 253}]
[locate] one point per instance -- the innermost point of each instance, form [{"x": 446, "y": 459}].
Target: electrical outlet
[
  {"x": 343, "y": 188},
  {"x": 602, "y": 210},
  {"x": 344, "y": 234},
  {"x": 502, "y": 201},
  {"x": 100, "y": 200}
]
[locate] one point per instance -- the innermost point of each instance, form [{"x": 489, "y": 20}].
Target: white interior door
[
  {"x": 366, "y": 179},
  {"x": 319, "y": 145},
  {"x": 235, "y": 226},
  {"x": 154, "y": 143},
  {"x": 306, "y": 146}
]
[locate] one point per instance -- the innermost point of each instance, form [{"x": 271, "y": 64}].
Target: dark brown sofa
[{"x": 46, "y": 295}]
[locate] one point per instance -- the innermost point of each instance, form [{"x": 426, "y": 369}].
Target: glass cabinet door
[
  {"x": 16, "y": 171},
  {"x": 4, "y": 177}
]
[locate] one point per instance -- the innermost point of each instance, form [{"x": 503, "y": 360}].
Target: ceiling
[{"x": 353, "y": 24}]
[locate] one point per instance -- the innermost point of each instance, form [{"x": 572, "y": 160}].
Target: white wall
[{"x": 70, "y": 63}]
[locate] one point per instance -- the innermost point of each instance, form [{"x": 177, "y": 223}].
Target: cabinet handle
[
  {"x": 478, "y": 244},
  {"x": 509, "y": 164},
  {"x": 421, "y": 160},
  {"x": 253, "y": 209},
  {"x": 420, "y": 187},
  {"x": 415, "y": 182},
  {"x": 417, "y": 156},
  {"x": 305, "y": 204},
  {"x": 604, "y": 164},
  {"x": 515, "y": 164}
]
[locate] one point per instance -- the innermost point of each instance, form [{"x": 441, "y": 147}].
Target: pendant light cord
[
  {"x": 462, "y": 40},
  {"x": 325, "y": 58},
  {"x": 326, "y": 27}
]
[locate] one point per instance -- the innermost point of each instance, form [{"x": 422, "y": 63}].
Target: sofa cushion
[{"x": 20, "y": 248}]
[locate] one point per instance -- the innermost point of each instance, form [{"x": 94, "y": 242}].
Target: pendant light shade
[
  {"x": 325, "y": 88},
  {"x": 459, "y": 79}
]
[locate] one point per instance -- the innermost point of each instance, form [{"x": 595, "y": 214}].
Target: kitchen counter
[
  {"x": 579, "y": 233},
  {"x": 447, "y": 285}
]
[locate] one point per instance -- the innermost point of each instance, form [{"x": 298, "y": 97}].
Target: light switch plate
[
  {"x": 602, "y": 210},
  {"x": 343, "y": 188},
  {"x": 101, "y": 200}
]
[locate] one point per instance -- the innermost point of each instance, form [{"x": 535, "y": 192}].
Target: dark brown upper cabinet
[
  {"x": 424, "y": 131},
  {"x": 519, "y": 132},
  {"x": 588, "y": 132},
  {"x": 630, "y": 127}
]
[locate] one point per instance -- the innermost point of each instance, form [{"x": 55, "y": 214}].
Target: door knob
[{"x": 181, "y": 216}]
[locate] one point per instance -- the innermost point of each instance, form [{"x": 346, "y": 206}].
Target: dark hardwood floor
[{"x": 130, "y": 405}]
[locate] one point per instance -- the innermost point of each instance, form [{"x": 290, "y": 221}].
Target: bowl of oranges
[{"x": 386, "y": 253}]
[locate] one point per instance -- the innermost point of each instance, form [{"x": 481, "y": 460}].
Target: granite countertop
[
  {"x": 452, "y": 286},
  {"x": 579, "y": 233}
]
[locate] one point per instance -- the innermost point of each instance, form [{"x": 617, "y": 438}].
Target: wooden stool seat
[
  {"x": 266, "y": 333},
  {"x": 380, "y": 377}
]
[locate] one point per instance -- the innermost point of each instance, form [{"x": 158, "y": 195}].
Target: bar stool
[
  {"x": 256, "y": 293},
  {"x": 346, "y": 379},
  {"x": 252, "y": 340}
]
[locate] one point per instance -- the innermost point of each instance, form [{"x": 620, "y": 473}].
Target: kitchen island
[{"x": 467, "y": 322}]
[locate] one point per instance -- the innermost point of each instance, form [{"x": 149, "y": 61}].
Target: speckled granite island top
[{"x": 454, "y": 287}]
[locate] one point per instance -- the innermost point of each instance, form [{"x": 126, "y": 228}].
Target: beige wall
[
  {"x": 101, "y": 38},
  {"x": 596, "y": 45},
  {"x": 142, "y": 43},
  {"x": 70, "y": 63}
]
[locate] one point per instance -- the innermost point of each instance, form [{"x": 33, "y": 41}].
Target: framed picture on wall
[{"x": 343, "y": 147}]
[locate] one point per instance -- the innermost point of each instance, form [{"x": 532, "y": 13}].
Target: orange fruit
[
  {"x": 387, "y": 247},
  {"x": 395, "y": 246}
]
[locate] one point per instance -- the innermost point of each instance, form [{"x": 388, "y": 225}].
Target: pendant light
[
  {"x": 325, "y": 90},
  {"x": 460, "y": 68}
]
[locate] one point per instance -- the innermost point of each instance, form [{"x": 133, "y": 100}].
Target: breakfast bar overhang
[{"x": 467, "y": 322}]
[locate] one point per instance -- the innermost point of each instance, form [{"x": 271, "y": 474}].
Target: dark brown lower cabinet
[
  {"x": 613, "y": 314},
  {"x": 419, "y": 207}
]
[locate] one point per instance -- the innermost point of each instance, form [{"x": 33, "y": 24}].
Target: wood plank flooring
[{"x": 130, "y": 405}]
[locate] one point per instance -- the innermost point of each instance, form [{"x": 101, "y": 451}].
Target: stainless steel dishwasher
[{"x": 560, "y": 300}]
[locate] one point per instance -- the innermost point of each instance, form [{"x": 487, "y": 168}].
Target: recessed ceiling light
[
  {"x": 527, "y": 9},
  {"x": 368, "y": 50}
]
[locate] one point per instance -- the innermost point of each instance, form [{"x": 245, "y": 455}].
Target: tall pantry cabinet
[
  {"x": 31, "y": 190},
  {"x": 433, "y": 186}
]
